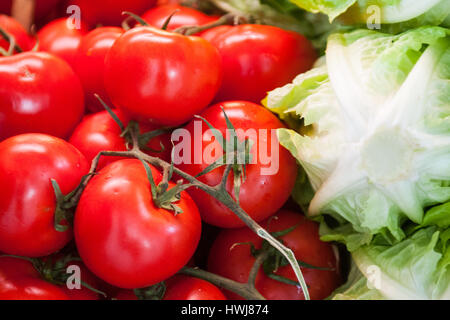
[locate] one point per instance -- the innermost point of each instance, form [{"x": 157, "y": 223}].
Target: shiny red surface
[{"x": 38, "y": 93}]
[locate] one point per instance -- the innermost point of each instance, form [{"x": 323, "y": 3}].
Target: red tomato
[
  {"x": 182, "y": 287},
  {"x": 123, "y": 237},
  {"x": 15, "y": 29},
  {"x": 161, "y": 77},
  {"x": 125, "y": 295},
  {"x": 109, "y": 12},
  {"x": 99, "y": 132},
  {"x": 235, "y": 261},
  {"x": 19, "y": 280},
  {"x": 258, "y": 58},
  {"x": 260, "y": 195},
  {"x": 90, "y": 61},
  {"x": 83, "y": 293},
  {"x": 27, "y": 201},
  {"x": 61, "y": 40},
  {"x": 184, "y": 17},
  {"x": 39, "y": 93}
]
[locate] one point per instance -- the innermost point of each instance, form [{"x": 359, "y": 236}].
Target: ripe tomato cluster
[{"x": 127, "y": 225}]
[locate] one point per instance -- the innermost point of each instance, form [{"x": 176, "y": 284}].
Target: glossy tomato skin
[
  {"x": 83, "y": 293},
  {"x": 14, "y": 28},
  {"x": 20, "y": 281},
  {"x": 261, "y": 195},
  {"x": 183, "y": 17},
  {"x": 123, "y": 238},
  {"x": 170, "y": 77},
  {"x": 59, "y": 39},
  {"x": 125, "y": 295},
  {"x": 39, "y": 93},
  {"x": 258, "y": 58},
  {"x": 182, "y": 287},
  {"x": 27, "y": 202},
  {"x": 90, "y": 61},
  {"x": 109, "y": 12},
  {"x": 235, "y": 261},
  {"x": 99, "y": 132}
]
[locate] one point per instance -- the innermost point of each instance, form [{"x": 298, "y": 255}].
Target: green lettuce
[
  {"x": 402, "y": 13},
  {"x": 413, "y": 269},
  {"x": 371, "y": 129},
  {"x": 418, "y": 267}
]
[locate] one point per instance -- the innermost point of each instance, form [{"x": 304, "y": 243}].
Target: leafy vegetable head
[
  {"x": 404, "y": 13},
  {"x": 373, "y": 129},
  {"x": 417, "y": 267}
]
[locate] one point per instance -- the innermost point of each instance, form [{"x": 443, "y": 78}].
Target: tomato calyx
[
  {"x": 53, "y": 269},
  {"x": 273, "y": 259},
  {"x": 230, "y": 19},
  {"x": 162, "y": 197},
  {"x": 227, "y": 19},
  {"x": 66, "y": 204},
  {"x": 132, "y": 131},
  {"x": 236, "y": 155},
  {"x": 155, "y": 292}
]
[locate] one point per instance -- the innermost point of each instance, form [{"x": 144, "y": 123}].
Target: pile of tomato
[{"x": 52, "y": 126}]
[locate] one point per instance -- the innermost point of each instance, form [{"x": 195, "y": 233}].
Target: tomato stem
[
  {"x": 12, "y": 41},
  {"x": 166, "y": 23},
  {"x": 228, "y": 19},
  {"x": 245, "y": 290},
  {"x": 135, "y": 17}
]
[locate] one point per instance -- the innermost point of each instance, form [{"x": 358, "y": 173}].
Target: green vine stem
[
  {"x": 10, "y": 39},
  {"x": 228, "y": 19},
  {"x": 219, "y": 192}
]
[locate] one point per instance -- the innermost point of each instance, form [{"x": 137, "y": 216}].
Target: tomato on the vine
[
  {"x": 15, "y": 29},
  {"x": 181, "y": 287},
  {"x": 28, "y": 162},
  {"x": 60, "y": 39},
  {"x": 123, "y": 237},
  {"x": 231, "y": 256},
  {"x": 99, "y": 132},
  {"x": 258, "y": 58},
  {"x": 161, "y": 77},
  {"x": 19, "y": 280},
  {"x": 184, "y": 16},
  {"x": 109, "y": 12},
  {"x": 262, "y": 193},
  {"x": 90, "y": 62},
  {"x": 40, "y": 93},
  {"x": 86, "y": 277}
]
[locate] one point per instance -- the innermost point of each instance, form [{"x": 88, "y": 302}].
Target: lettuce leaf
[
  {"x": 371, "y": 128},
  {"x": 400, "y": 14}
]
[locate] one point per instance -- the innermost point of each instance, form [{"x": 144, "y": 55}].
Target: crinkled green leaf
[
  {"x": 399, "y": 15},
  {"x": 411, "y": 269},
  {"x": 356, "y": 288},
  {"x": 332, "y": 8},
  {"x": 371, "y": 128},
  {"x": 439, "y": 216}
]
